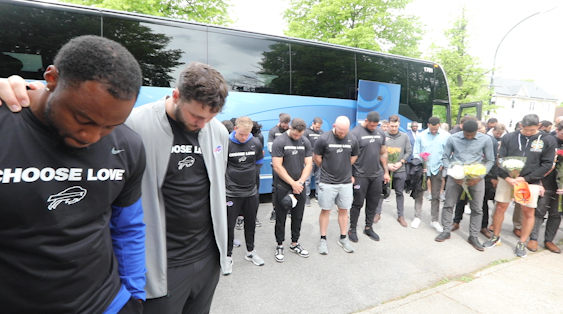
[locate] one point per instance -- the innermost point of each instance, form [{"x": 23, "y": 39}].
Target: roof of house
[{"x": 511, "y": 87}]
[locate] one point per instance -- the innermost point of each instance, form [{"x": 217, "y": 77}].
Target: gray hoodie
[{"x": 402, "y": 141}]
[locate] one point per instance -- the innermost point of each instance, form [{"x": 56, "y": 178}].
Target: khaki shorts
[{"x": 505, "y": 193}]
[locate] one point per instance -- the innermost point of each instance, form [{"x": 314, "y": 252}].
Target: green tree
[
  {"x": 370, "y": 24},
  {"x": 466, "y": 79},
  {"x": 203, "y": 11}
]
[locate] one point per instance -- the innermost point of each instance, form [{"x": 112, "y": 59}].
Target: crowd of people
[{"x": 134, "y": 210}]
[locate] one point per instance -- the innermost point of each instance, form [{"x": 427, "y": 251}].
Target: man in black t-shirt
[
  {"x": 274, "y": 133},
  {"x": 333, "y": 152},
  {"x": 367, "y": 173},
  {"x": 292, "y": 162},
  {"x": 72, "y": 220},
  {"x": 245, "y": 153},
  {"x": 312, "y": 134}
]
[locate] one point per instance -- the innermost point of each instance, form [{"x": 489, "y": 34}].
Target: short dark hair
[
  {"x": 530, "y": 120},
  {"x": 394, "y": 118},
  {"x": 229, "y": 125},
  {"x": 318, "y": 120},
  {"x": 204, "y": 84},
  {"x": 560, "y": 126},
  {"x": 434, "y": 121},
  {"x": 492, "y": 120},
  {"x": 298, "y": 124},
  {"x": 373, "y": 116},
  {"x": 285, "y": 118},
  {"x": 256, "y": 128},
  {"x": 94, "y": 58},
  {"x": 467, "y": 118},
  {"x": 470, "y": 126},
  {"x": 546, "y": 123}
]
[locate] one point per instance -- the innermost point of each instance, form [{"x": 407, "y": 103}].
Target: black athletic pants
[
  {"x": 248, "y": 206},
  {"x": 368, "y": 189},
  {"x": 281, "y": 216},
  {"x": 190, "y": 288}
]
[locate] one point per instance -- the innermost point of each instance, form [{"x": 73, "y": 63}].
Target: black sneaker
[
  {"x": 279, "y": 254},
  {"x": 240, "y": 223},
  {"x": 371, "y": 234},
  {"x": 443, "y": 237},
  {"x": 258, "y": 223},
  {"x": 475, "y": 243},
  {"x": 520, "y": 249},
  {"x": 273, "y": 216},
  {"x": 353, "y": 235}
]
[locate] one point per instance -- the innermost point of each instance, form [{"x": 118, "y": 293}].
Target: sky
[{"x": 531, "y": 51}]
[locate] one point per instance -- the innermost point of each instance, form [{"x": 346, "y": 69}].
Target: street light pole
[{"x": 496, "y": 51}]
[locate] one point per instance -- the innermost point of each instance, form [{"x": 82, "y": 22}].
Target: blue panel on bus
[{"x": 377, "y": 96}]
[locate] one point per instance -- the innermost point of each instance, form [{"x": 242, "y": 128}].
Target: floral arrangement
[
  {"x": 513, "y": 165},
  {"x": 393, "y": 156},
  {"x": 466, "y": 172},
  {"x": 424, "y": 156}
]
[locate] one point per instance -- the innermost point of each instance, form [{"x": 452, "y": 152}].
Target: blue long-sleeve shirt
[
  {"x": 478, "y": 149},
  {"x": 433, "y": 144},
  {"x": 128, "y": 238}
]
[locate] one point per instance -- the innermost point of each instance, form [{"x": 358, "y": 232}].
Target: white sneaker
[
  {"x": 415, "y": 223},
  {"x": 467, "y": 210},
  {"x": 254, "y": 258},
  {"x": 229, "y": 269},
  {"x": 436, "y": 225}
]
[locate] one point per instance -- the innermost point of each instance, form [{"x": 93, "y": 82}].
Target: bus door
[{"x": 468, "y": 109}]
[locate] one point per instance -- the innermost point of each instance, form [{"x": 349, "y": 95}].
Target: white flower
[
  {"x": 456, "y": 172},
  {"x": 513, "y": 164}
]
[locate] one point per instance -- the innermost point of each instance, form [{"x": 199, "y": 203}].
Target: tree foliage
[
  {"x": 370, "y": 24},
  {"x": 466, "y": 79},
  {"x": 203, "y": 11}
]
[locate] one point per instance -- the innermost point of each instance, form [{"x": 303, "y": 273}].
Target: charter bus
[{"x": 266, "y": 74}]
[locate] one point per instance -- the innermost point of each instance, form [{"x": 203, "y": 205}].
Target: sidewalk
[{"x": 533, "y": 284}]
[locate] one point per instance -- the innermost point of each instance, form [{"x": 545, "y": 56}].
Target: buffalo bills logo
[
  {"x": 230, "y": 203},
  {"x": 218, "y": 149},
  {"x": 356, "y": 187},
  {"x": 186, "y": 162},
  {"x": 69, "y": 196}
]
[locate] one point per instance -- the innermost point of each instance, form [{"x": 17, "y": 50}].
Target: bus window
[
  {"x": 32, "y": 36},
  {"x": 322, "y": 72},
  {"x": 162, "y": 51},
  {"x": 250, "y": 64}
]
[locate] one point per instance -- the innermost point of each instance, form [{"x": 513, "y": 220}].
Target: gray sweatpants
[{"x": 453, "y": 193}]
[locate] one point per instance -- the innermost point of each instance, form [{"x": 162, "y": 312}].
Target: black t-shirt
[
  {"x": 274, "y": 133},
  {"x": 56, "y": 253},
  {"x": 336, "y": 153},
  {"x": 189, "y": 229},
  {"x": 313, "y": 136},
  {"x": 368, "y": 164},
  {"x": 293, "y": 153},
  {"x": 241, "y": 167}
]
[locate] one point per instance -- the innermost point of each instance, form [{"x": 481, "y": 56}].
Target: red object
[
  {"x": 425, "y": 155},
  {"x": 522, "y": 193}
]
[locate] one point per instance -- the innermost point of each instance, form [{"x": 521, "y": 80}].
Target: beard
[
  {"x": 182, "y": 122},
  {"x": 58, "y": 140}
]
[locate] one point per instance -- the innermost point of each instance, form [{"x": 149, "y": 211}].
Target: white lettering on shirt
[{"x": 32, "y": 174}]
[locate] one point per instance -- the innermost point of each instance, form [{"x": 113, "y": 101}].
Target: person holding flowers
[
  {"x": 539, "y": 150},
  {"x": 551, "y": 202},
  {"x": 469, "y": 150},
  {"x": 432, "y": 141},
  {"x": 399, "y": 150}
]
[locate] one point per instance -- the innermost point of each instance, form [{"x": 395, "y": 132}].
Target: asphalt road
[{"x": 403, "y": 261}]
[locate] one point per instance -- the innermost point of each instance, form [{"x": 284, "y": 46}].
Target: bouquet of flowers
[
  {"x": 466, "y": 172},
  {"x": 559, "y": 177},
  {"x": 393, "y": 156},
  {"x": 424, "y": 156},
  {"x": 513, "y": 165}
]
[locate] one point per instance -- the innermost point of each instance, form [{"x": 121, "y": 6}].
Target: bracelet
[{"x": 300, "y": 183}]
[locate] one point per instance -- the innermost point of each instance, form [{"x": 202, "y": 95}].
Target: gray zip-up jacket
[
  {"x": 402, "y": 141},
  {"x": 151, "y": 123}
]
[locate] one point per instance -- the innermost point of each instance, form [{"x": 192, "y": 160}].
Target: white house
[{"x": 516, "y": 99}]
